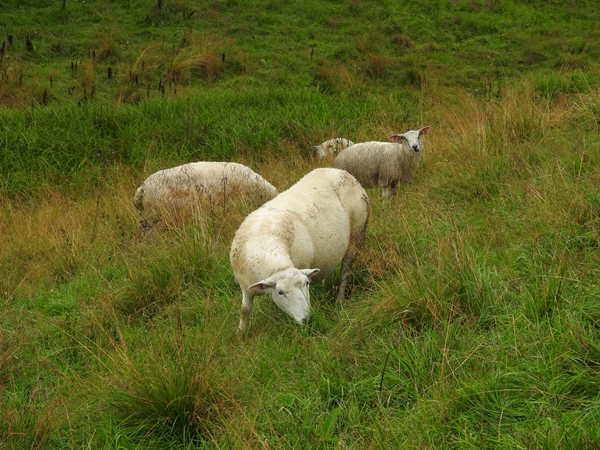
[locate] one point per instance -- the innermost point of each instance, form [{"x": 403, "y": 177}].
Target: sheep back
[
  {"x": 312, "y": 224},
  {"x": 378, "y": 163},
  {"x": 179, "y": 195},
  {"x": 331, "y": 147}
]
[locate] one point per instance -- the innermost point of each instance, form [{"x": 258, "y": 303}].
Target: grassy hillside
[
  {"x": 474, "y": 318},
  {"x": 63, "y": 50}
]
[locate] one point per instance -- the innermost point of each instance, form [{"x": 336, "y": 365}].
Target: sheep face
[
  {"x": 320, "y": 152},
  {"x": 331, "y": 147},
  {"x": 411, "y": 139},
  {"x": 290, "y": 291}
]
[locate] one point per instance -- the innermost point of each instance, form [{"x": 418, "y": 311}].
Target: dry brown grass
[
  {"x": 338, "y": 78},
  {"x": 143, "y": 68},
  {"x": 49, "y": 239},
  {"x": 377, "y": 66},
  {"x": 13, "y": 93},
  {"x": 197, "y": 56}
]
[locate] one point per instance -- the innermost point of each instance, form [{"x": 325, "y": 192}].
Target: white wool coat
[
  {"x": 384, "y": 164},
  {"x": 331, "y": 147},
  {"x": 178, "y": 195},
  {"x": 300, "y": 236}
]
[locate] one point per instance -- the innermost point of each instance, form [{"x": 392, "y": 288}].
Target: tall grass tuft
[{"x": 177, "y": 393}]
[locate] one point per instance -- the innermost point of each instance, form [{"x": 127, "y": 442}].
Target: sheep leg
[
  {"x": 247, "y": 301},
  {"x": 345, "y": 274},
  {"x": 389, "y": 191},
  {"x": 357, "y": 240}
]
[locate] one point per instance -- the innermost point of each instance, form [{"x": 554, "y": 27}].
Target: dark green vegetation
[
  {"x": 131, "y": 49},
  {"x": 475, "y": 315}
]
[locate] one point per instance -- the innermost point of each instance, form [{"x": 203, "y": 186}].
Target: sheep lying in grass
[
  {"x": 384, "y": 164},
  {"x": 176, "y": 196},
  {"x": 331, "y": 147},
  {"x": 300, "y": 237}
]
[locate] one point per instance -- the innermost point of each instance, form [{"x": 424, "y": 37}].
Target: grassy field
[{"x": 474, "y": 320}]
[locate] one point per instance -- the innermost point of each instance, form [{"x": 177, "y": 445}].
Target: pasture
[{"x": 475, "y": 309}]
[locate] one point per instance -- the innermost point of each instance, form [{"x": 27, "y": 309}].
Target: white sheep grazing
[
  {"x": 300, "y": 237},
  {"x": 331, "y": 147},
  {"x": 384, "y": 164},
  {"x": 178, "y": 195}
]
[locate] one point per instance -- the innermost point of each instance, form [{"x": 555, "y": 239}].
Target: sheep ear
[
  {"x": 310, "y": 272},
  {"x": 424, "y": 130},
  {"x": 396, "y": 137},
  {"x": 262, "y": 287},
  {"x": 315, "y": 148}
]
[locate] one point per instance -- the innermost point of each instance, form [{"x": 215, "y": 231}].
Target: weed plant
[{"x": 474, "y": 314}]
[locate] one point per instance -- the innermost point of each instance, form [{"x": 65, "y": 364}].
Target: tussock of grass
[{"x": 177, "y": 394}]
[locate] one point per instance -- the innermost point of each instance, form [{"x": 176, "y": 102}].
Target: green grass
[
  {"x": 474, "y": 317},
  {"x": 353, "y": 46},
  {"x": 73, "y": 144}
]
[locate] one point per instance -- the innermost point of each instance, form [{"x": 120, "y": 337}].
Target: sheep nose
[{"x": 415, "y": 148}]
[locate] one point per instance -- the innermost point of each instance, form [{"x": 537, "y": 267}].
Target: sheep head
[
  {"x": 290, "y": 291},
  {"x": 411, "y": 139}
]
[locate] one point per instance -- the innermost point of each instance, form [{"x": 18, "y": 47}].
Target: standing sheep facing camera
[
  {"x": 300, "y": 237},
  {"x": 331, "y": 147},
  {"x": 178, "y": 195},
  {"x": 384, "y": 164}
]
